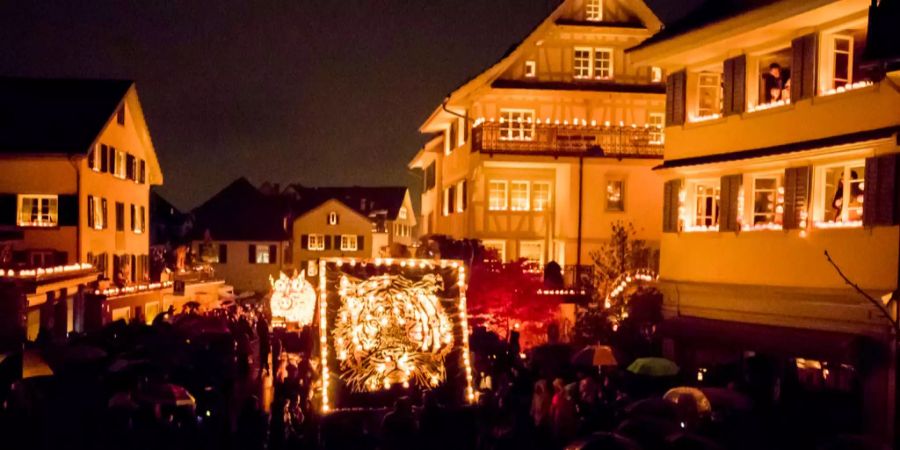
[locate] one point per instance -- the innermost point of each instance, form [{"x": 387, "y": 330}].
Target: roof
[
  {"x": 708, "y": 13},
  {"x": 366, "y": 200},
  {"x": 56, "y": 116},
  {"x": 240, "y": 212},
  {"x": 831, "y": 141},
  {"x": 590, "y": 86}
]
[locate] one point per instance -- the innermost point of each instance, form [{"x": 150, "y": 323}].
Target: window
[
  {"x": 317, "y": 242},
  {"x": 402, "y": 214},
  {"x": 214, "y": 253},
  {"x": 38, "y": 210},
  {"x": 121, "y": 164},
  {"x": 656, "y": 74},
  {"x": 615, "y": 195},
  {"x": 840, "y": 65},
  {"x": 95, "y": 157},
  {"x": 120, "y": 216},
  {"x": 96, "y": 213},
  {"x": 142, "y": 224},
  {"x": 142, "y": 172},
  {"x": 497, "y": 200},
  {"x": 348, "y": 242},
  {"x": 656, "y": 121},
  {"x": 843, "y": 61},
  {"x": 519, "y": 196},
  {"x": 461, "y": 196},
  {"x": 540, "y": 196},
  {"x": 497, "y": 246},
  {"x": 530, "y": 69},
  {"x": 533, "y": 253},
  {"x": 603, "y": 63},
  {"x": 593, "y": 10},
  {"x": 262, "y": 254},
  {"x": 516, "y": 124},
  {"x": 709, "y": 94},
  {"x": 452, "y": 136},
  {"x": 332, "y": 218},
  {"x": 774, "y": 78},
  {"x": 766, "y": 193},
  {"x": 42, "y": 259},
  {"x": 120, "y": 115},
  {"x": 430, "y": 174},
  {"x": 706, "y": 205},
  {"x": 581, "y": 63},
  {"x": 842, "y": 187},
  {"x": 449, "y": 200}
]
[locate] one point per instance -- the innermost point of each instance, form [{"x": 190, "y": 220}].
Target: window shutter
[
  {"x": 103, "y": 207},
  {"x": 273, "y": 254},
  {"x": 676, "y": 84},
  {"x": 880, "y": 202},
  {"x": 671, "y": 190},
  {"x": 68, "y": 210},
  {"x": 8, "y": 209},
  {"x": 112, "y": 159},
  {"x": 803, "y": 67},
  {"x": 360, "y": 243},
  {"x": 133, "y": 218},
  {"x": 327, "y": 242},
  {"x": 129, "y": 167},
  {"x": 729, "y": 190},
  {"x": 304, "y": 242},
  {"x": 727, "y": 86},
  {"x": 104, "y": 158},
  {"x": 142, "y": 175},
  {"x": 90, "y": 212},
  {"x": 796, "y": 196},
  {"x": 735, "y": 84},
  {"x": 251, "y": 254},
  {"x": 465, "y": 195},
  {"x": 223, "y": 253}
]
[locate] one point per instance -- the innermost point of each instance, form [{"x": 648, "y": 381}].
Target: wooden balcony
[{"x": 618, "y": 141}]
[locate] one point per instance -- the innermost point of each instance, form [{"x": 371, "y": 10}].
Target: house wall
[
  {"x": 316, "y": 222},
  {"x": 244, "y": 275}
]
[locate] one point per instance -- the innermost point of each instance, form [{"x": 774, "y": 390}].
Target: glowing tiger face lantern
[
  {"x": 391, "y": 330},
  {"x": 293, "y": 299}
]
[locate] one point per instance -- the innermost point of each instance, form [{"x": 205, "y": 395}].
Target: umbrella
[
  {"x": 721, "y": 398},
  {"x": 679, "y": 395},
  {"x": 688, "y": 441},
  {"x": 595, "y": 355},
  {"x": 81, "y": 354},
  {"x": 604, "y": 441},
  {"x": 33, "y": 365},
  {"x": 653, "y": 367},
  {"x": 652, "y": 407},
  {"x": 168, "y": 394},
  {"x": 649, "y": 432}
]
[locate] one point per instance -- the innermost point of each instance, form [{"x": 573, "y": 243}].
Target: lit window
[
  {"x": 540, "y": 196},
  {"x": 706, "y": 204},
  {"x": 533, "y": 253},
  {"x": 316, "y": 242},
  {"x": 709, "y": 94},
  {"x": 402, "y": 214},
  {"x": 38, "y": 210},
  {"x": 843, "y": 61},
  {"x": 766, "y": 209},
  {"x": 262, "y": 254},
  {"x": 519, "y": 196},
  {"x": 461, "y": 194},
  {"x": 774, "y": 79},
  {"x": 497, "y": 200},
  {"x": 449, "y": 200},
  {"x": 516, "y": 125},
  {"x": 842, "y": 188},
  {"x": 656, "y": 122},
  {"x": 603, "y": 63},
  {"x": 530, "y": 69},
  {"x": 581, "y": 65},
  {"x": 121, "y": 164},
  {"x": 348, "y": 242},
  {"x": 96, "y": 216},
  {"x": 332, "y": 218},
  {"x": 95, "y": 158},
  {"x": 496, "y": 246},
  {"x": 615, "y": 195},
  {"x": 593, "y": 10},
  {"x": 656, "y": 74}
]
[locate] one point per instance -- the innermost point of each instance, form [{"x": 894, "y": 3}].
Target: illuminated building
[
  {"x": 781, "y": 144},
  {"x": 76, "y": 166},
  {"x": 540, "y": 153}
]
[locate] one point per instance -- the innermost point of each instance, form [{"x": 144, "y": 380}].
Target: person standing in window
[{"x": 772, "y": 83}]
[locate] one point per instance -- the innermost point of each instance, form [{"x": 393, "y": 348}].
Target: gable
[{"x": 315, "y": 219}]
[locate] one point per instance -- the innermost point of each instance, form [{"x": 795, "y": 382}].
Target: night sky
[{"x": 320, "y": 92}]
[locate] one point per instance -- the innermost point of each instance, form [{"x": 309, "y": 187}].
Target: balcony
[{"x": 618, "y": 141}]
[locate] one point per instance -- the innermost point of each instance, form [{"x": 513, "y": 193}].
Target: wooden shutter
[
  {"x": 142, "y": 175},
  {"x": 796, "y": 196},
  {"x": 360, "y": 242},
  {"x": 251, "y": 254},
  {"x": 304, "y": 242},
  {"x": 120, "y": 216},
  {"x": 104, "y": 209},
  {"x": 735, "y": 85},
  {"x": 104, "y": 158},
  {"x": 675, "y": 98},
  {"x": 90, "y": 212},
  {"x": 671, "y": 191},
  {"x": 91, "y": 156},
  {"x": 804, "y": 51},
  {"x": 465, "y": 195},
  {"x": 68, "y": 210},
  {"x": 133, "y": 217},
  {"x": 223, "y": 253},
  {"x": 880, "y": 195},
  {"x": 327, "y": 242},
  {"x": 129, "y": 167},
  {"x": 112, "y": 159},
  {"x": 729, "y": 191},
  {"x": 273, "y": 254},
  {"x": 8, "y": 209}
]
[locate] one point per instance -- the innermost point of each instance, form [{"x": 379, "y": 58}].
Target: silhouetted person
[{"x": 398, "y": 429}]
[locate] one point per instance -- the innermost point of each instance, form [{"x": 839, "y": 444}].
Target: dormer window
[
  {"x": 593, "y": 10},
  {"x": 402, "y": 214},
  {"x": 530, "y": 69},
  {"x": 332, "y": 218}
]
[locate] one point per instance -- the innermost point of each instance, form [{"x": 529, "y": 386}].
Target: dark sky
[{"x": 318, "y": 92}]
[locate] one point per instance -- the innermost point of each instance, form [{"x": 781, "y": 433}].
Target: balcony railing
[{"x": 629, "y": 141}]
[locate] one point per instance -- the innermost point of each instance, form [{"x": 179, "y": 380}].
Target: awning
[{"x": 781, "y": 341}]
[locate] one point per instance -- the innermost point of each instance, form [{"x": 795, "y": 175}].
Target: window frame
[
  {"x": 595, "y": 69},
  {"x": 262, "y": 250},
  {"x": 820, "y": 206},
  {"x": 346, "y": 239},
  {"x": 541, "y": 247},
  {"x": 121, "y": 162},
  {"x": 693, "y": 199},
  {"x": 315, "y": 242},
  {"x": 40, "y": 222},
  {"x": 579, "y": 70},
  {"x": 504, "y": 204},
  {"x": 498, "y": 244},
  {"x": 834, "y": 38},
  {"x": 333, "y": 218},
  {"x": 402, "y": 213},
  {"x": 521, "y": 129},
  {"x": 716, "y": 87},
  {"x": 656, "y": 74},
  {"x": 657, "y": 127},
  {"x": 608, "y": 204},
  {"x": 527, "y": 199},
  {"x": 535, "y": 198},
  {"x": 776, "y": 192},
  {"x": 593, "y": 10},
  {"x": 461, "y": 193},
  {"x": 530, "y": 68}
]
